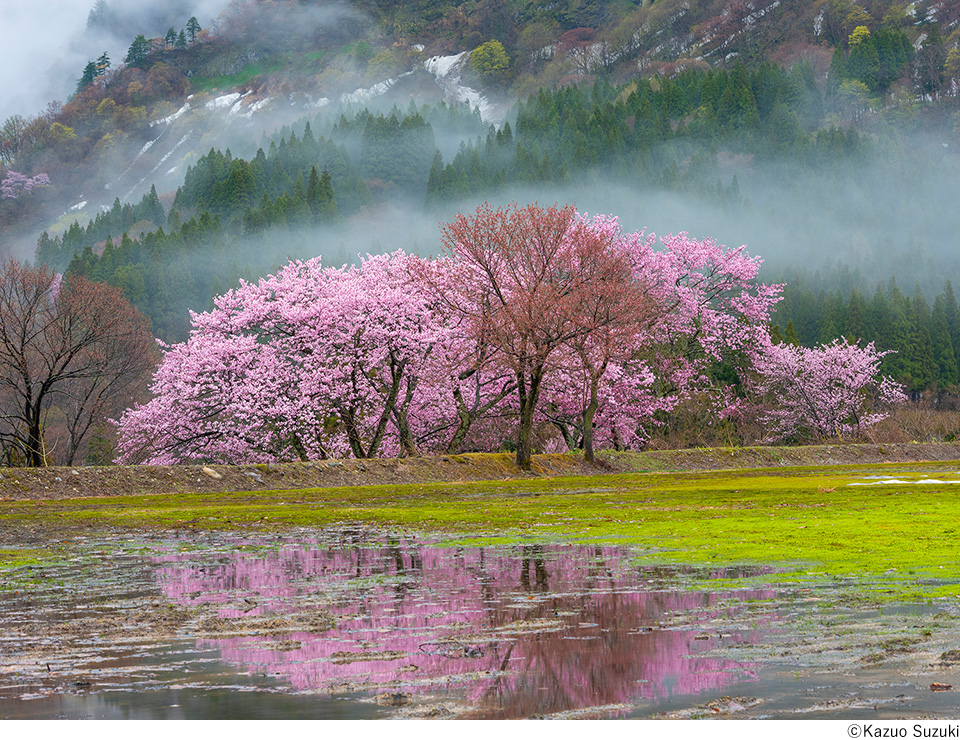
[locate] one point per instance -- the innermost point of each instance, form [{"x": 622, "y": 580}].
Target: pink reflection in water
[{"x": 520, "y": 631}]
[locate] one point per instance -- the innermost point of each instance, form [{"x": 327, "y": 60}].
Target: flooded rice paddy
[{"x": 353, "y": 624}]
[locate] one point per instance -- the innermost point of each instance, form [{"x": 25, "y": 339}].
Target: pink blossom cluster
[
  {"x": 309, "y": 363},
  {"x": 16, "y": 184},
  {"x": 403, "y": 355},
  {"x": 707, "y": 307},
  {"x": 832, "y": 390}
]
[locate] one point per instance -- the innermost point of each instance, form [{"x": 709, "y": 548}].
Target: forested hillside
[{"x": 214, "y": 149}]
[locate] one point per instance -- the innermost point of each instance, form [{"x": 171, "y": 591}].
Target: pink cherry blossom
[
  {"x": 582, "y": 328},
  {"x": 828, "y": 391},
  {"x": 16, "y": 184}
]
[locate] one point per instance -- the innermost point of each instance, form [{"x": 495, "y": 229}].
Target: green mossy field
[{"x": 895, "y": 525}]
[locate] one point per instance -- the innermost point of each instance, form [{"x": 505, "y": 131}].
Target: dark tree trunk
[
  {"x": 34, "y": 450},
  {"x": 568, "y": 438},
  {"x": 403, "y": 420},
  {"x": 529, "y": 395},
  {"x": 588, "y": 430},
  {"x": 353, "y": 435},
  {"x": 463, "y": 427},
  {"x": 588, "y": 414}
]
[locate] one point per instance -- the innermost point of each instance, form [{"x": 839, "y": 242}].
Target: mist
[
  {"x": 46, "y": 43},
  {"x": 846, "y": 224},
  {"x": 875, "y": 226},
  {"x": 890, "y": 217},
  {"x": 894, "y": 216}
]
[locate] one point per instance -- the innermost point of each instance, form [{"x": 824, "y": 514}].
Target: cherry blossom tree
[
  {"x": 309, "y": 363},
  {"x": 530, "y": 282},
  {"x": 534, "y": 317},
  {"x": 15, "y": 184},
  {"x": 615, "y": 317},
  {"x": 703, "y": 306},
  {"x": 832, "y": 390}
]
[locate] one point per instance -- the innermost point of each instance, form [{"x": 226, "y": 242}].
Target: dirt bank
[{"x": 58, "y": 483}]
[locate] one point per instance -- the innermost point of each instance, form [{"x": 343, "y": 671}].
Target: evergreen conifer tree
[
  {"x": 193, "y": 28},
  {"x": 138, "y": 51}
]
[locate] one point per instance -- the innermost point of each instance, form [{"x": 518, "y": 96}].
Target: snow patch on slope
[
  {"x": 224, "y": 101},
  {"x": 446, "y": 70},
  {"x": 362, "y": 95},
  {"x": 171, "y": 118}
]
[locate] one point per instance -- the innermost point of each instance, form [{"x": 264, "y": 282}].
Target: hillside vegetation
[{"x": 217, "y": 149}]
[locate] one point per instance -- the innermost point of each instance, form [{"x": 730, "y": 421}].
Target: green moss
[
  {"x": 10, "y": 558},
  {"x": 815, "y": 523}
]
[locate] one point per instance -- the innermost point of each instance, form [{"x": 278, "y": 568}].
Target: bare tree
[{"x": 72, "y": 350}]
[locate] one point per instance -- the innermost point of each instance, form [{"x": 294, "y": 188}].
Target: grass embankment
[
  {"x": 831, "y": 521},
  {"x": 228, "y": 82}
]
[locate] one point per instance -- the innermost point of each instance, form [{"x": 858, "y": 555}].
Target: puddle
[
  {"x": 177, "y": 681},
  {"x": 348, "y": 625},
  {"x": 509, "y": 632},
  {"x": 883, "y": 480}
]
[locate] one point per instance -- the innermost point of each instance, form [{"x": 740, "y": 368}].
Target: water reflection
[{"x": 517, "y": 632}]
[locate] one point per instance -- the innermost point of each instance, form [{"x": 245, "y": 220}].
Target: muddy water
[{"x": 353, "y": 625}]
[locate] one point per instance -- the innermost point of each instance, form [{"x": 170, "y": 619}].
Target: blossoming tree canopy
[
  {"x": 538, "y": 283},
  {"x": 534, "y": 319},
  {"x": 304, "y": 364},
  {"x": 16, "y": 184},
  {"x": 835, "y": 389}
]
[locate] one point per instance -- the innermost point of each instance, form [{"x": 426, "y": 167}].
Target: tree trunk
[
  {"x": 588, "y": 414},
  {"x": 588, "y": 430},
  {"x": 528, "y": 404},
  {"x": 466, "y": 420},
  {"x": 568, "y": 439},
  {"x": 34, "y": 456},
  {"x": 389, "y": 406},
  {"x": 408, "y": 445},
  {"x": 348, "y": 417}
]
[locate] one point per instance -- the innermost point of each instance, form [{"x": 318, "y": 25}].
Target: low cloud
[{"x": 47, "y": 43}]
